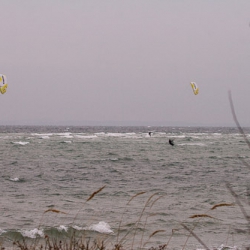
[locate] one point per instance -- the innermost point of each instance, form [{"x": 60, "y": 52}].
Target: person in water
[{"x": 171, "y": 142}]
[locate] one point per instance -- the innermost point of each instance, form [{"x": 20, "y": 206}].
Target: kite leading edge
[
  {"x": 195, "y": 88},
  {"x": 3, "y": 83}
]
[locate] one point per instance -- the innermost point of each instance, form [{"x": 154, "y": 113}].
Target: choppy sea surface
[{"x": 51, "y": 180}]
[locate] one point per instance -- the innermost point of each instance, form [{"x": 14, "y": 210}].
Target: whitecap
[
  {"x": 115, "y": 134},
  {"x": 192, "y": 144},
  {"x": 177, "y": 136},
  {"x": 32, "y": 233},
  {"x": 131, "y": 134},
  {"x": 67, "y": 141},
  {"x": 86, "y": 136},
  {"x": 113, "y": 159},
  {"x": 62, "y": 228},
  {"x": 44, "y": 137},
  {"x": 223, "y": 247},
  {"x": 100, "y": 133},
  {"x": 77, "y": 228},
  {"x": 101, "y": 227},
  {"x": 15, "y": 179},
  {"x": 66, "y": 135},
  {"x": 21, "y": 143}
]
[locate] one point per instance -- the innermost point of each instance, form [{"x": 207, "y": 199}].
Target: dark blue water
[{"x": 49, "y": 169}]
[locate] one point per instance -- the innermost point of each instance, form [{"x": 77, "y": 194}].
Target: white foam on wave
[
  {"x": 66, "y": 135},
  {"x": 2, "y": 231},
  {"x": 100, "y": 133},
  {"x": 115, "y": 134},
  {"x": 78, "y": 228},
  {"x": 67, "y": 141},
  {"x": 32, "y": 233},
  {"x": 23, "y": 143},
  {"x": 223, "y": 247},
  {"x": 176, "y": 136},
  {"x": 113, "y": 159},
  {"x": 124, "y": 135},
  {"x": 193, "y": 144},
  {"x": 86, "y": 136},
  {"x": 62, "y": 228},
  {"x": 15, "y": 179},
  {"x": 132, "y": 133},
  {"x": 101, "y": 227},
  {"x": 44, "y": 137}
]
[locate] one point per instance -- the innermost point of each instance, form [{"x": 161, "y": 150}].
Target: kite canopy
[
  {"x": 3, "y": 83},
  {"x": 195, "y": 88}
]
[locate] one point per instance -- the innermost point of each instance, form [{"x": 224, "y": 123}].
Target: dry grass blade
[
  {"x": 175, "y": 230},
  {"x": 90, "y": 197},
  {"x": 244, "y": 162},
  {"x": 155, "y": 201},
  {"x": 156, "y": 232},
  {"x": 195, "y": 236},
  {"x": 201, "y": 216},
  {"x": 54, "y": 211},
  {"x": 149, "y": 216},
  {"x": 135, "y": 196},
  {"x": 96, "y": 192},
  {"x": 150, "y": 199},
  {"x": 222, "y": 205},
  {"x": 142, "y": 212},
  {"x": 236, "y": 120},
  {"x": 237, "y": 199}
]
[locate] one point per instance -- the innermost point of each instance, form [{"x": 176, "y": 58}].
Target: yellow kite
[
  {"x": 195, "y": 88},
  {"x": 3, "y": 83}
]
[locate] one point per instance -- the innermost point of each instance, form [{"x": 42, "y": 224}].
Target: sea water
[{"x": 126, "y": 186}]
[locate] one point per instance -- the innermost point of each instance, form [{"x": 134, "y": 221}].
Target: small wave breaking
[
  {"x": 15, "y": 179},
  {"x": 100, "y": 227},
  {"x": 22, "y": 143}
]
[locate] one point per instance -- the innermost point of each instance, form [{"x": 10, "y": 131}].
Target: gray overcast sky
[{"x": 125, "y": 61}]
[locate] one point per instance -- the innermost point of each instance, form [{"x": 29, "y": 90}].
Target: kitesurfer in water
[
  {"x": 150, "y": 133},
  {"x": 171, "y": 142}
]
